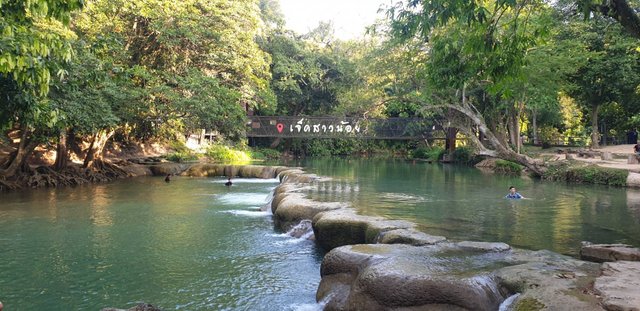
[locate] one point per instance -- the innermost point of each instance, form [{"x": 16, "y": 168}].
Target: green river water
[{"x": 194, "y": 244}]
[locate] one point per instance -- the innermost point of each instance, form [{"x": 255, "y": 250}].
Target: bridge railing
[{"x": 341, "y": 127}]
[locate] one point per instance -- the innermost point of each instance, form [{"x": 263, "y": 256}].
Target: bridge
[{"x": 344, "y": 127}]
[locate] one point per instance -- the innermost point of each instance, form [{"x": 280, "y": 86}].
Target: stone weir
[{"x": 380, "y": 264}]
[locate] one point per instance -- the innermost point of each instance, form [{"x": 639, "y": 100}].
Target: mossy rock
[{"x": 528, "y": 304}]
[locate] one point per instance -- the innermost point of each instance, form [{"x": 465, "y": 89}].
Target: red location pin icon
[{"x": 280, "y": 127}]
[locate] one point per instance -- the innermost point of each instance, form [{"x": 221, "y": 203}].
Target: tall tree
[{"x": 35, "y": 42}]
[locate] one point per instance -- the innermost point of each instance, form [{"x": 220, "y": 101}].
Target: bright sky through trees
[{"x": 350, "y": 17}]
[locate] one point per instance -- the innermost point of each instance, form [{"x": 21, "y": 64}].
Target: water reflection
[{"x": 100, "y": 201}]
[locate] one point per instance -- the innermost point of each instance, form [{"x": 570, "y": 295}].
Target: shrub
[
  {"x": 225, "y": 154},
  {"x": 432, "y": 154},
  {"x": 265, "y": 154},
  {"x": 181, "y": 152},
  {"x": 508, "y": 167},
  {"x": 463, "y": 155},
  {"x": 182, "y": 156},
  {"x": 592, "y": 174}
]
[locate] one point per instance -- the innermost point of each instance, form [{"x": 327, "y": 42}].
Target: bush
[
  {"x": 265, "y": 154},
  {"x": 594, "y": 174},
  {"x": 463, "y": 155},
  {"x": 432, "y": 154},
  {"x": 591, "y": 174},
  {"x": 320, "y": 147},
  {"x": 225, "y": 154},
  {"x": 181, "y": 152},
  {"x": 182, "y": 156},
  {"x": 508, "y": 167}
]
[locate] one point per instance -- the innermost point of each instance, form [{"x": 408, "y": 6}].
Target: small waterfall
[
  {"x": 266, "y": 207},
  {"x": 506, "y": 304},
  {"x": 319, "y": 306},
  {"x": 303, "y": 230},
  {"x": 488, "y": 285}
]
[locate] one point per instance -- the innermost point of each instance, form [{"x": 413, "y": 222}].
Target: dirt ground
[{"x": 620, "y": 155}]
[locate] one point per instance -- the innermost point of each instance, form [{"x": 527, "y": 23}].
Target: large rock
[
  {"x": 633, "y": 179},
  {"x": 549, "y": 281},
  {"x": 403, "y": 277},
  {"x": 344, "y": 227},
  {"x": 484, "y": 246},
  {"x": 294, "y": 207},
  {"x": 619, "y": 286},
  {"x": 609, "y": 252},
  {"x": 409, "y": 236},
  {"x": 164, "y": 169},
  {"x": 244, "y": 171},
  {"x": 204, "y": 170}
]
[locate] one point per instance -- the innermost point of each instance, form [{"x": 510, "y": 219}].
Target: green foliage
[
  {"x": 347, "y": 147},
  {"x": 426, "y": 153},
  {"x": 463, "y": 155},
  {"x": 34, "y": 41},
  {"x": 265, "y": 154},
  {"x": 550, "y": 135},
  {"x": 225, "y": 154},
  {"x": 508, "y": 167},
  {"x": 591, "y": 174},
  {"x": 181, "y": 157},
  {"x": 529, "y": 304}
]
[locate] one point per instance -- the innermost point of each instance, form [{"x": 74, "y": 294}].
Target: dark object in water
[
  {"x": 168, "y": 178},
  {"x": 228, "y": 183}
]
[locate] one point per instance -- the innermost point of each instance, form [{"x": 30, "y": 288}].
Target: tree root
[
  {"x": 44, "y": 176},
  {"x": 6, "y": 185}
]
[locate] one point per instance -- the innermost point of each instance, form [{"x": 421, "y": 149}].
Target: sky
[{"x": 350, "y": 17}]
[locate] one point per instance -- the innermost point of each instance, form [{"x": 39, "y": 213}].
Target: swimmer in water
[
  {"x": 168, "y": 178},
  {"x": 513, "y": 194},
  {"x": 228, "y": 183}
]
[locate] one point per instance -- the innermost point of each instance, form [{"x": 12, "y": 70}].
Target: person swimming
[
  {"x": 168, "y": 178},
  {"x": 228, "y": 183},
  {"x": 513, "y": 194}
]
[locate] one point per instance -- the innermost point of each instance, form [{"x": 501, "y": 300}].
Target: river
[{"x": 194, "y": 244}]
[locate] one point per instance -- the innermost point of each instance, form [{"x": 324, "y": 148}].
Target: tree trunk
[
  {"x": 518, "y": 133},
  {"x": 275, "y": 143},
  {"x": 62, "y": 153},
  {"x": 595, "y": 135},
  {"x": 94, "y": 153},
  {"x": 450, "y": 141},
  {"x": 534, "y": 124},
  {"x": 501, "y": 149},
  {"x": 512, "y": 125},
  {"x": 19, "y": 157}
]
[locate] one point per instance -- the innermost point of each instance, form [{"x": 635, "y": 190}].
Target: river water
[
  {"x": 462, "y": 203},
  {"x": 194, "y": 244}
]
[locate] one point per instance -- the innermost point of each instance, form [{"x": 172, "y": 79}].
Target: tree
[
  {"x": 608, "y": 70},
  {"x": 35, "y": 41},
  {"x": 476, "y": 52}
]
